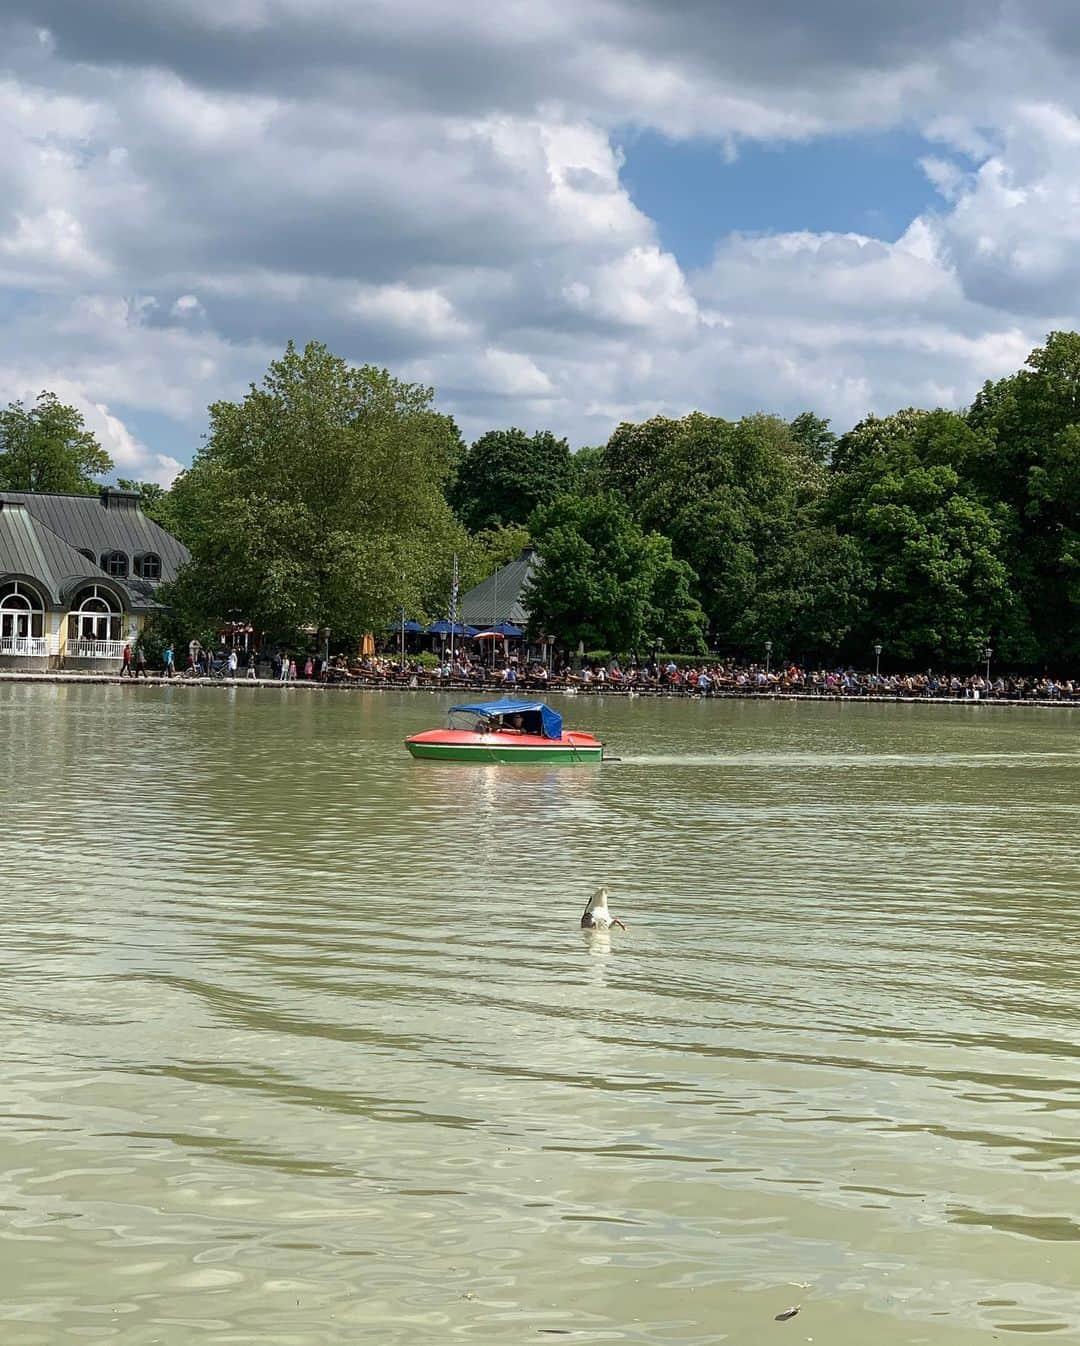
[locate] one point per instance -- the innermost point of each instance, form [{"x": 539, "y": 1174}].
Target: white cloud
[
  {"x": 642, "y": 288},
  {"x": 426, "y": 312},
  {"x": 52, "y": 240},
  {"x": 438, "y": 191},
  {"x": 1013, "y": 232},
  {"x": 511, "y": 374},
  {"x": 132, "y": 458},
  {"x": 187, "y": 306}
]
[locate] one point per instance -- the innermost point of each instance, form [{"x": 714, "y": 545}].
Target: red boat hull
[{"x": 461, "y": 745}]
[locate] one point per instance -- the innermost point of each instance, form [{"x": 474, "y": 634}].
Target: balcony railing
[
  {"x": 95, "y": 649},
  {"x": 32, "y": 646}
]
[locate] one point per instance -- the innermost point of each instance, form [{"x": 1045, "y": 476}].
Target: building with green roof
[
  {"x": 502, "y": 599},
  {"x": 78, "y": 577}
]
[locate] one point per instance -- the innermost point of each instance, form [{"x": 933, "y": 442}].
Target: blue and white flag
[{"x": 454, "y": 594}]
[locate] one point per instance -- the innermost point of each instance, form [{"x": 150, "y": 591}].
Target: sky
[{"x": 560, "y": 215}]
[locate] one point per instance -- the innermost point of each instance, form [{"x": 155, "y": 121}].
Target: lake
[{"x": 303, "y": 1044}]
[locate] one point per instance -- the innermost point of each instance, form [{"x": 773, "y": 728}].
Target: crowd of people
[
  {"x": 794, "y": 680},
  {"x": 657, "y": 677},
  {"x": 718, "y": 679}
]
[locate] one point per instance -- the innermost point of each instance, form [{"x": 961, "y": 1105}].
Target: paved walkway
[{"x": 673, "y": 693}]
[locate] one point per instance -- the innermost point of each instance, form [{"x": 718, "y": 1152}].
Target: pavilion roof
[{"x": 501, "y": 597}]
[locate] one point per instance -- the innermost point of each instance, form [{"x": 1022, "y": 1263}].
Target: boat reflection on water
[{"x": 491, "y": 784}]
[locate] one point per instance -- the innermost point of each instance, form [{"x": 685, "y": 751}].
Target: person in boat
[{"x": 501, "y": 725}]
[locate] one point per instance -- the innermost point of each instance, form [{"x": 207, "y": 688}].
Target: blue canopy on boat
[
  {"x": 443, "y": 628},
  {"x": 536, "y": 717}
]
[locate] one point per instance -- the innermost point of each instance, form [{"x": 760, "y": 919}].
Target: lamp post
[
  {"x": 768, "y": 656},
  {"x": 877, "y": 662},
  {"x": 986, "y": 655},
  {"x": 403, "y": 626},
  {"x": 550, "y": 642},
  {"x": 325, "y": 633},
  {"x": 656, "y": 658}
]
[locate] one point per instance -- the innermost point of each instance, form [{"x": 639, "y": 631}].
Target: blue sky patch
[{"x": 863, "y": 184}]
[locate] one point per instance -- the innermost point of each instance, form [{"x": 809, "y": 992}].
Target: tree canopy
[
  {"x": 505, "y": 474},
  {"x": 730, "y": 495},
  {"x": 47, "y": 447},
  {"x": 317, "y": 501},
  {"x": 607, "y": 583},
  {"x": 1030, "y": 465},
  {"x": 935, "y": 585}
]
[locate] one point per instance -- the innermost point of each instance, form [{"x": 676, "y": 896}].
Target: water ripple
[{"x": 305, "y": 1046}]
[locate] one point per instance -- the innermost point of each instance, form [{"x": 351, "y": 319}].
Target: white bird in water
[{"x": 596, "y": 915}]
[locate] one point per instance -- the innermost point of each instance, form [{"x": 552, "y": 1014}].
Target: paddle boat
[{"x": 519, "y": 732}]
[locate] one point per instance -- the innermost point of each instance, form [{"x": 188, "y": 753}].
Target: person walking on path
[
  {"x": 140, "y": 662},
  {"x": 284, "y": 667},
  {"x": 252, "y": 672},
  {"x": 169, "y": 668},
  {"x": 234, "y": 663},
  {"x": 125, "y": 667}
]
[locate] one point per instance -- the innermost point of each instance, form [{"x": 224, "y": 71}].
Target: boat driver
[{"x": 516, "y": 725}]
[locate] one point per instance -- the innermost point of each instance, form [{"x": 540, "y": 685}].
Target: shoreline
[{"x": 57, "y": 677}]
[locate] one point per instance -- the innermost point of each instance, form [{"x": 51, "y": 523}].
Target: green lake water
[{"x": 302, "y": 1044}]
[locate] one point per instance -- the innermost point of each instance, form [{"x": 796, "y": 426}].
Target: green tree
[
  {"x": 1031, "y": 422},
  {"x": 586, "y": 471},
  {"x": 317, "y": 501},
  {"x": 47, "y": 447},
  {"x": 496, "y": 547},
  {"x": 936, "y": 586},
  {"x": 490, "y": 549},
  {"x": 632, "y": 461},
  {"x": 814, "y": 435},
  {"x": 731, "y": 496},
  {"x": 810, "y": 595},
  {"x": 606, "y": 582},
  {"x": 505, "y": 474}
]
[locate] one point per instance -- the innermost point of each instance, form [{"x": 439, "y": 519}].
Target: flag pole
[
  {"x": 453, "y": 612},
  {"x": 495, "y": 612}
]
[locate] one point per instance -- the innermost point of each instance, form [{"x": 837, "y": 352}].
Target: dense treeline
[
  {"x": 932, "y": 533},
  {"x": 334, "y": 496}
]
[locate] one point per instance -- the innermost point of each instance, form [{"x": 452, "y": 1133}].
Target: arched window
[
  {"x": 22, "y": 618},
  {"x": 94, "y": 615},
  {"x": 115, "y": 563},
  {"x": 148, "y": 566}
]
